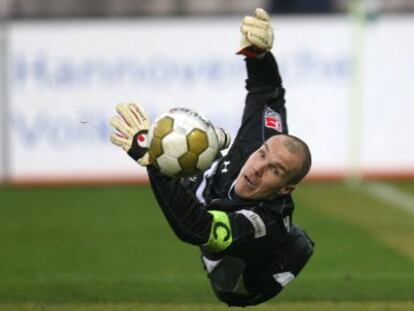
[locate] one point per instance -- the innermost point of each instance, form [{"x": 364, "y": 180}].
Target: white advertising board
[
  {"x": 66, "y": 78},
  {"x": 387, "y": 143}
]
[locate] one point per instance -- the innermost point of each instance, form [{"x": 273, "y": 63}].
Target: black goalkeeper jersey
[{"x": 264, "y": 249}]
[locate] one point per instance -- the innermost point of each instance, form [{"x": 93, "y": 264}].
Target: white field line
[{"x": 392, "y": 195}]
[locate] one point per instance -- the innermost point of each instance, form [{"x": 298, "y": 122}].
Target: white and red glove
[
  {"x": 131, "y": 127},
  {"x": 257, "y": 34}
]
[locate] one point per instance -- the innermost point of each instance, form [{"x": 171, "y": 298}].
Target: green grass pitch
[{"x": 111, "y": 249}]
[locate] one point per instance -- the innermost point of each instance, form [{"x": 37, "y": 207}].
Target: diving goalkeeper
[{"x": 239, "y": 211}]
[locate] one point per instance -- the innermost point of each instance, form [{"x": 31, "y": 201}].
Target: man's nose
[{"x": 259, "y": 168}]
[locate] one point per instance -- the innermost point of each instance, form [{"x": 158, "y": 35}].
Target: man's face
[{"x": 268, "y": 170}]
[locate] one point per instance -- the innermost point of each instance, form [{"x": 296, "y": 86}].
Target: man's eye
[
  {"x": 261, "y": 153},
  {"x": 275, "y": 171}
]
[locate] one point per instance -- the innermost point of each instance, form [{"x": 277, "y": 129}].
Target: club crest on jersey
[{"x": 273, "y": 120}]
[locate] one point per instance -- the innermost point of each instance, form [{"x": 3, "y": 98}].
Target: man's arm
[
  {"x": 208, "y": 226},
  {"x": 186, "y": 217},
  {"x": 264, "y": 113}
]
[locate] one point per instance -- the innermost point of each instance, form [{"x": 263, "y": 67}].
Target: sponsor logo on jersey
[
  {"x": 273, "y": 120},
  {"x": 256, "y": 221}
]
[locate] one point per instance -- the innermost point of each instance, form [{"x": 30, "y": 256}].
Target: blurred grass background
[{"x": 112, "y": 244}]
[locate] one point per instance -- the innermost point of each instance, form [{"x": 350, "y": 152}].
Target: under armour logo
[{"x": 225, "y": 164}]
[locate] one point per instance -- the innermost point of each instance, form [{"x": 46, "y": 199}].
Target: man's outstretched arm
[
  {"x": 264, "y": 113},
  {"x": 189, "y": 220},
  {"x": 208, "y": 226}
]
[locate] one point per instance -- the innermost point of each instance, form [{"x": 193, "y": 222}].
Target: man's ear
[{"x": 286, "y": 189}]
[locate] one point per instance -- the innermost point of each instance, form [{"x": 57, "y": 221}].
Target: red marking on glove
[{"x": 141, "y": 138}]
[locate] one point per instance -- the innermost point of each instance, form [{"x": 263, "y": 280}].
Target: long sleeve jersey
[{"x": 250, "y": 249}]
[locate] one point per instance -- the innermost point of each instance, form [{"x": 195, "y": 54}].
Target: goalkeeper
[{"x": 239, "y": 211}]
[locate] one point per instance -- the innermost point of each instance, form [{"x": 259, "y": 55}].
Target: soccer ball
[{"x": 182, "y": 143}]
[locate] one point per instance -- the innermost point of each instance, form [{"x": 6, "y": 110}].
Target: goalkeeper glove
[
  {"x": 131, "y": 128},
  {"x": 257, "y": 34}
]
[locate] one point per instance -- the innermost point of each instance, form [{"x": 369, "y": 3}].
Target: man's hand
[
  {"x": 131, "y": 127},
  {"x": 257, "y": 34}
]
